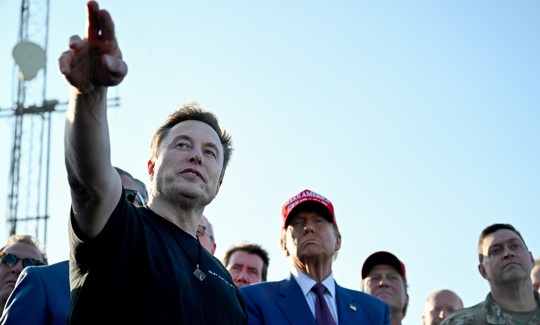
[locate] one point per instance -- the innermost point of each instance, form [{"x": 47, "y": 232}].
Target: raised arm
[{"x": 91, "y": 65}]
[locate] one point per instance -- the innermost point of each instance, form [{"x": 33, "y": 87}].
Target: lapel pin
[{"x": 353, "y": 307}]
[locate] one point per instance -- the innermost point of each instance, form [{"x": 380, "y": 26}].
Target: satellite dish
[{"x": 30, "y": 58}]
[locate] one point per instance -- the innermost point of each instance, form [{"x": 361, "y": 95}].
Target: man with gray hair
[
  {"x": 384, "y": 277},
  {"x": 310, "y": 240},
  {"x": 19, "y": 252}
]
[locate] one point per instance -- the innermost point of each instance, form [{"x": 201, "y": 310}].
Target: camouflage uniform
[{"x": 488, "y": 312}]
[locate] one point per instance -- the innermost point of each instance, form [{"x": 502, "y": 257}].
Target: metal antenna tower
[{"x": 29, "y": 173}]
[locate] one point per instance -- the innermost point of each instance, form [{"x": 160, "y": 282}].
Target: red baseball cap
[
  {"x": 314, "y": 200},
  {"x": 385, "y": 258}
]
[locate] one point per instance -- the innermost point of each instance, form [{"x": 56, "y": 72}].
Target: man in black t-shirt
[{"x": 140, "y": 265}]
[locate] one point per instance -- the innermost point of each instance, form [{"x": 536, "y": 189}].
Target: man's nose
[
  {"x": 196, "y": 156},
  {"x": 18, "y": 267},
  {"x": 309, "y": 226},
  {"x": 443, "y": 314},
  {"x": 242, "y": 276},
  {"x": 508, "y": 253}
]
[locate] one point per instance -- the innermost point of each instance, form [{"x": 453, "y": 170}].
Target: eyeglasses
[
  {"x": 131, "y": 195},
  {"x": 201, "y": 230},
  {"x": 12, "y": 259}
]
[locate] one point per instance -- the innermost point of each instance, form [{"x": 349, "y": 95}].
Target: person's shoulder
[
  {"x": 51, "y": 268},
  {"x": 466, "y": 316},
  {"x": 359, "y": 295},
  {"x": 267, "y": 286}
]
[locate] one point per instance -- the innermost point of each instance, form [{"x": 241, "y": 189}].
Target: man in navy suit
[
  {"x": 310, "y": 240},
  {"x": 41, "y": 296}
]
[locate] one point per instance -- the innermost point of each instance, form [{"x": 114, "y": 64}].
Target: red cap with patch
[{"x": 314, "y": 200}]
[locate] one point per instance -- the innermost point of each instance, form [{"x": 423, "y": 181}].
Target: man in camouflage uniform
[{"x": 506, "y": 263}]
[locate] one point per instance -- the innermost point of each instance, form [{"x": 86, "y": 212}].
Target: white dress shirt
[{"x": 306, "y": 284}]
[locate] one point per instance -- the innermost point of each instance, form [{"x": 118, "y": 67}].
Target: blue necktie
[{"x": 322, "y": 312}]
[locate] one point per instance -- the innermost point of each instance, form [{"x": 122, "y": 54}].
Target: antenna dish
[{"x": 30, "y": 58}]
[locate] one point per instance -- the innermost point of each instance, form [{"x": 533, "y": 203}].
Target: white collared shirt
[{"x": 306, "y": 283}]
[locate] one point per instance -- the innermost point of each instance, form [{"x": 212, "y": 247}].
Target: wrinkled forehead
[
  {"x": 248, "y": 259},
  {"x": 501, "y": 237},
  {"x": 193, "y": 129}
]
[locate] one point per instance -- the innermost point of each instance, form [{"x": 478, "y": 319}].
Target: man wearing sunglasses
[
  {"x": 41, "y": 294},
  {"x": 134, "y": 189},
  {"x": 140, "y": 265},
  {"x": 19, "y": 252}
]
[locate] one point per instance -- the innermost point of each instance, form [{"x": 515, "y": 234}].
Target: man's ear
[
  {"x": 338, "y": 240},
  {"x": 407, "y": 298},
  {"x": 218, "y": 187},
  {"x": 150, "y": 165},
  {"x": 482, "y": 271},
  {"x": 283, "y": 242}
]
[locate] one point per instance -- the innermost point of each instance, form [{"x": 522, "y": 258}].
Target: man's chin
[{"x": 192, "y": 198}]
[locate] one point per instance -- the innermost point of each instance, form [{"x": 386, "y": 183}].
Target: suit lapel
[
  {"x": 349, "y": 311},
  {"x": 292, "y": 303}
]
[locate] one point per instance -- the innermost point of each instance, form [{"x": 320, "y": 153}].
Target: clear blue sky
[{"x": 418, "y": 119}]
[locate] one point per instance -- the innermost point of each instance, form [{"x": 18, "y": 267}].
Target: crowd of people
[{"x": 147, "y": 257}]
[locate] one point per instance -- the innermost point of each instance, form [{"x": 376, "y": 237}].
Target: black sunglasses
[
  {"x": 11, "y": 259},
  {"x": 132, "y": 195}
]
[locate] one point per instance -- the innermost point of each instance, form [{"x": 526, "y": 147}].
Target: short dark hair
[
  {"x": 194, "y": 112},
  {"x": 250, "y": 249},
  {"x": 491, "y": 229}
]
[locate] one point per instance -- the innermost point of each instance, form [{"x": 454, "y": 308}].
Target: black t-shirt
[{"x": 139, "y": 270}]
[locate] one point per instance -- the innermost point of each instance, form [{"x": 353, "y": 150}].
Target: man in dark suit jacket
[
  {"x": 41, "y": 296},
  {"x": 310, "y": 240}
]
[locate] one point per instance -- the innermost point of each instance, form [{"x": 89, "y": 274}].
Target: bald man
[{"x": 439, "y": 305}]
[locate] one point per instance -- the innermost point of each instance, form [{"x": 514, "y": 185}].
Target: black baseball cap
[{"x": 383, "y": 257}]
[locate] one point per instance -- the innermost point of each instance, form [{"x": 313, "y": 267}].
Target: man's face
[
  {"x": 187, "y": 170},
  {"x": 385, "y": 283},
  {"x": 439, "y": 306},
  {"x": 535, "y": 277},
  {"x": 310, "y": 237},
  {"x": 205, "y": 237},
  {"x": 245, "y": 268},
  {"x": 506, "y": 258},
  {"x": 9, "y": 274}
]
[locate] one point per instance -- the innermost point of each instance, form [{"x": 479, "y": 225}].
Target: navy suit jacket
[
  {"x": 282, "y": 302},
  {"x": 41, "y": 296}
]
